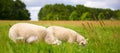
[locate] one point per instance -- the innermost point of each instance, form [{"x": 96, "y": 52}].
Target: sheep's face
[{"x": 83, "y": 42}]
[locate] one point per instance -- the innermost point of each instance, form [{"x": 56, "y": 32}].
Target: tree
[
  {"x": 61, "y": 10},
  {"x": 13, "y": 10},
  {"x": 6, "y": 9},
  {"x": 21, "y": 11},
  {"x": 101, "y": 16},
  {"x": 86, "y": 16},
  {"x": 118, "y": 14},
  {"x": 78, "y": 12},
  {"x": 44, "y": 11},
  {"x": 73, "y": 16}
]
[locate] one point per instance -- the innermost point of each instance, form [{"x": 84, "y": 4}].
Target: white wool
[
  {"x": 19, "y": 37},
  {"x": 50, "y": 39},
  {"x": 27, "y": 32},
  {"x": 66, "y": 34},
  {"x": 32, "y": 38}
]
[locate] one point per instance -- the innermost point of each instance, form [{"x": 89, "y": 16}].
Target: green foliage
[
  {"x": 44, "y": 11},
  {"x": 67, "y": 12},
  {"x": 58, "y": 11},
  {"x": 101, "y": 16},
  {"x": 13, "y": 10},
  {"x": 118, "y": 14},
  {"x": 74, "y": 16},
  {"x": 86, "y": 16}
]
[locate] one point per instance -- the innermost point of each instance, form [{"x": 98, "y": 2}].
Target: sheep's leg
[
  {"x": 57, "y": 42},
  {"x": 31, "y": 39},
  {"x": 52, "y": 40}
]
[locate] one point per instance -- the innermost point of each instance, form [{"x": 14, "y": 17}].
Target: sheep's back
[
  {"x": 26, "y": 30},
  {"x": 61, "y": 32}
]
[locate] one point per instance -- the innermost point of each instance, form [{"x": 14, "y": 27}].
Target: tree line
[
  {"x": 78, "y": 12},
  {"x": 13, "y": 10},
  {"x": 16, "y": 10}
]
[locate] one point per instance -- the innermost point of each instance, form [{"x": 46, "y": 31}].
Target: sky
[{"x": 35, "y": 5}]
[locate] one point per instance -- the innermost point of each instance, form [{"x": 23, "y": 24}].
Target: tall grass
[{"x": 102, "y": 38}]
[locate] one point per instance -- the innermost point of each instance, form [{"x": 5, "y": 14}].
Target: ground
[{"x": 103, "y": 37}]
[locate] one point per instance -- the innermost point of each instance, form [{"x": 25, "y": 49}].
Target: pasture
[{"x": 103, "y": 37}]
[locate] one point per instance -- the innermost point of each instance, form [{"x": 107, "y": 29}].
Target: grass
[{"x": 103, "y": 37}]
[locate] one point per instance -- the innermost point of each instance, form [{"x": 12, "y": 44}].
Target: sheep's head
[{"x": 81, "y": 40}]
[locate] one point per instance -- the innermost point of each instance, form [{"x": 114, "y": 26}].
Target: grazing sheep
[
  {"x": 66, "y": 34},
  {"x": 27, "y": 32}
]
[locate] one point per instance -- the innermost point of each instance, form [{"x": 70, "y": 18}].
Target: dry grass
[{"x": 76, "y": 23}]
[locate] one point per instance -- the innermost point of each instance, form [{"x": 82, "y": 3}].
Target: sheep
[
  {"x": 27, "y": 32},
  {"x": 65, "y": 34}
]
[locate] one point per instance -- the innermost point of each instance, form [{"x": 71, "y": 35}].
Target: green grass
[{"x": 100, "y": 40}]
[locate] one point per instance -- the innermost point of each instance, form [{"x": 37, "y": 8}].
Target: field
[{"x": 103, "y": 37}]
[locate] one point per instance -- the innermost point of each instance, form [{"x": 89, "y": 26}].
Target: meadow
[{"x": 103, "y": 37}]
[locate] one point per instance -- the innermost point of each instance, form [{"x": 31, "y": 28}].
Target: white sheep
[
  {"x": 66, "y": 34},
  {"x": 27, "y": 32}
]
